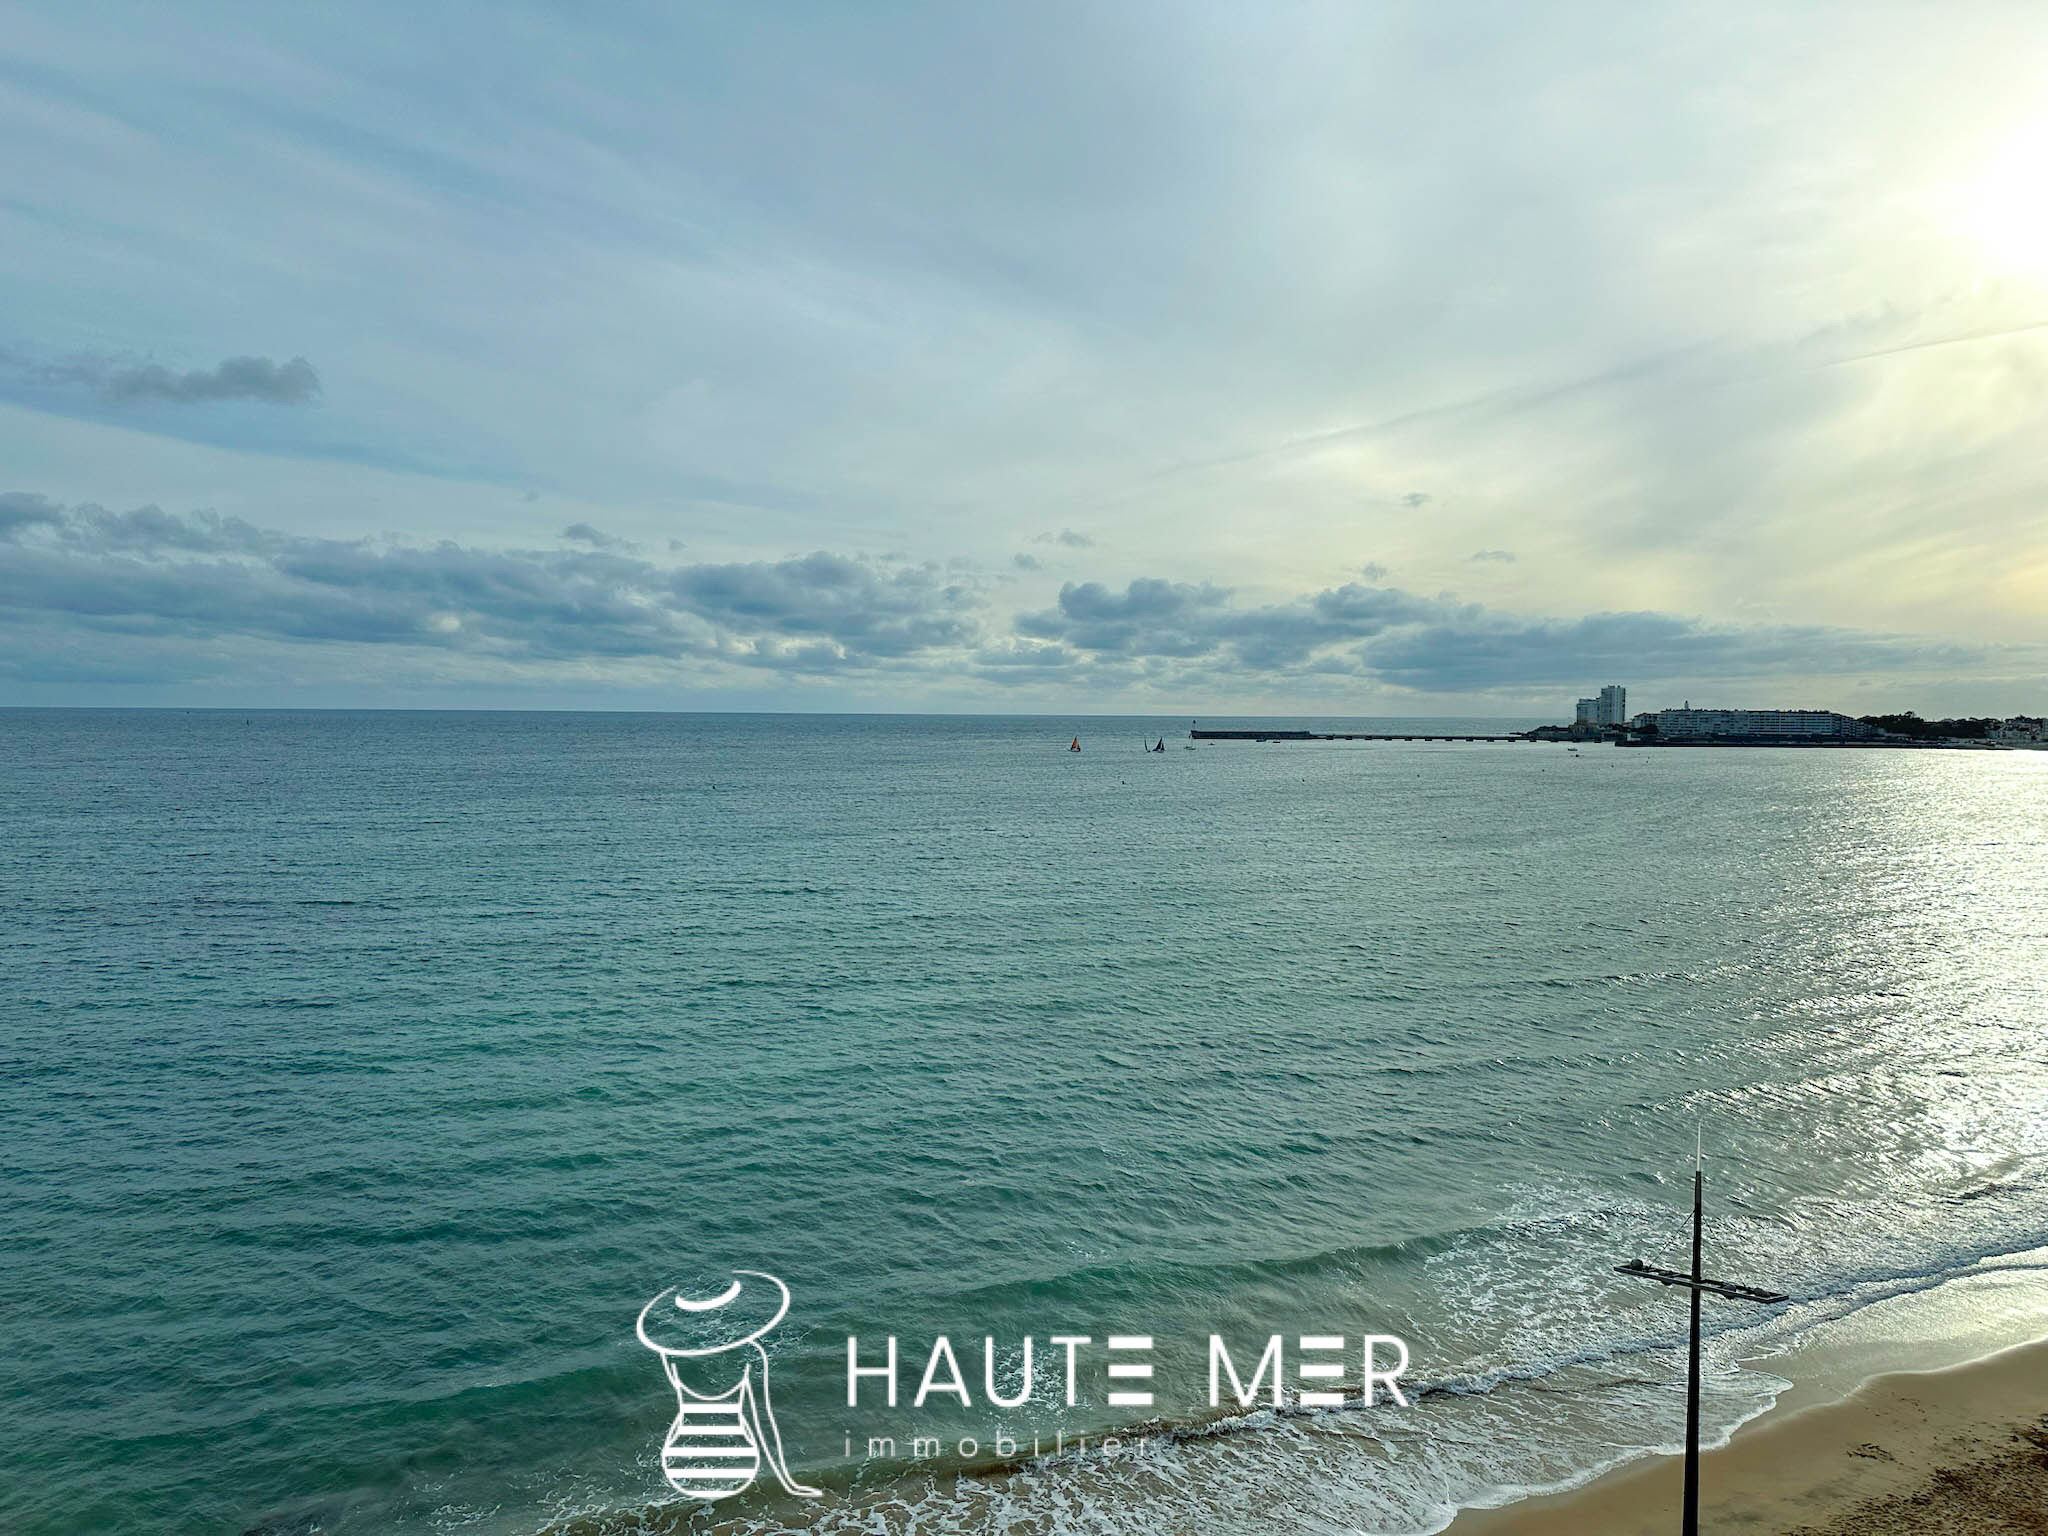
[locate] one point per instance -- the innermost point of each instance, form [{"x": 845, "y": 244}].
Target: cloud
[
  {"x": 1025, "y": 562},
  {"x": 1159, "y": 618},
  {"x": 86, "y": 592},
  {"x": 866, "y": 610},
  {"x": 1372, "y": 570},
  {"x": 1437, "y": 645},
  {"x": 1417, "y": 499},
  {"x": 153, "y": 576},
  {"x": 235, "y": 378},
  {"x": 1066, "y": 536},
  {"x": 1498, "y": 556},
  {"x": 583, "y": 533},
  {"x": 20, "y": 509}
]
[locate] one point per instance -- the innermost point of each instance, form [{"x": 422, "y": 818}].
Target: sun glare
[{"x": 2005, "y": 206}]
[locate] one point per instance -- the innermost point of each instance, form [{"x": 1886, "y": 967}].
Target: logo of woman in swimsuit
[{"x": 710, "y": 1348}]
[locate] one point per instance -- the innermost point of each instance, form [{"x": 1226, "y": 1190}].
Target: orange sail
[{"x": 1076, "y": 746}]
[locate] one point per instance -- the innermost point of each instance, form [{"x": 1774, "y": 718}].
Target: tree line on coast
[{"x": 1910, "y": 724}]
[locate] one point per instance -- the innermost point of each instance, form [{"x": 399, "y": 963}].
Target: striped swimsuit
[{"x": 710, "y": 1452}]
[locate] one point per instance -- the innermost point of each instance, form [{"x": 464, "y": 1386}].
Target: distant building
[
  {"x": 1609, "y": 707},
  {"x": 2019, "y": 728},
  {"x": 1803, "y": 724}
]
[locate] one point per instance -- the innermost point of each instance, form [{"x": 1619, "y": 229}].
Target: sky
[{"x": 1345, "y": 359}]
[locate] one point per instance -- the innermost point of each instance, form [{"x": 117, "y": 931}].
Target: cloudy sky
[{"x": 1366, "y": 358}]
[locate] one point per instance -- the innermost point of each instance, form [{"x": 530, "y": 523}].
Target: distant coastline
[{"x": 1604, "y": 719}]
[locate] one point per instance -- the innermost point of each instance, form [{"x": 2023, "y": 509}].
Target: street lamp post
[{"x": 1696, "y": 1283}]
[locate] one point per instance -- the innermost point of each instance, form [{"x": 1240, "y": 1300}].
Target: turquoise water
[{"x": 365, "y": 1073}]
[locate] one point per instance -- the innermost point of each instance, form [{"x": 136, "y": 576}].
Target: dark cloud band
[
  {"x": 293, "y": 382},
  {"x": 1435, "y": 645},
  {"x": 145, "y": 581},
  {"x": 148, "y": 573}
]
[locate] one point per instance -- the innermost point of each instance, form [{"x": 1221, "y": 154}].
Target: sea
[{"x": 363, "y": 1075}]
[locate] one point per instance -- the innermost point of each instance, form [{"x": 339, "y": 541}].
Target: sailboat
[
  {"x": 1076, "y": 746},
  {"x": 1162, "y": 745}
]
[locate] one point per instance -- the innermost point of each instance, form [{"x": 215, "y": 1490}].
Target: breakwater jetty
[{"x": 1351, "y": 736}]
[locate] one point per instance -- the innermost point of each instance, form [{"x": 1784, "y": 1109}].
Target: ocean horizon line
[{"x": 793, "y": 714}]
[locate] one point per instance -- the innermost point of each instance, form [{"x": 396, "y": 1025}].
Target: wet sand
[{"x": 1963, "y": 1451}]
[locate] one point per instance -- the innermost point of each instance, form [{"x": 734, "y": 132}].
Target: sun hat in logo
[{"x": 684, "y": 1323}]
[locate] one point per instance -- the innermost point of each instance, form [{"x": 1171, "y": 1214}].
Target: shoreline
[{"x": 1960, "y": 1448}]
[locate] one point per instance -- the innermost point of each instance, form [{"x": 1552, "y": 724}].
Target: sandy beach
[{"x": 1962, "y": 1450}]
